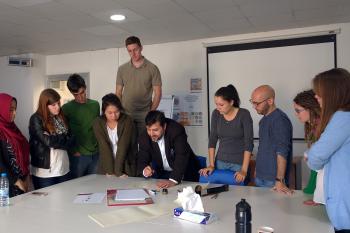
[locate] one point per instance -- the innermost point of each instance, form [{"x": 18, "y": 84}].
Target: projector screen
[{"x": 286, "y": 65}]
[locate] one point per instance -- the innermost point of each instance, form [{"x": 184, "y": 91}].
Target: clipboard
[{"x": 111, "y": 201}]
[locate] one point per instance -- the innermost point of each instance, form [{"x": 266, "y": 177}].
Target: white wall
[
  {"x": 178, "y": 62},
  {"x": 25, "y": 84},
  {"x": 102, "y": 65}
]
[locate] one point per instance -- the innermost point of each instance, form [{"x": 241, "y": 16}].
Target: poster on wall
[
  {"x": 196, "y": 85},
  {"x": 188, "y": 109},
  {"x": 166, "y": 105}
]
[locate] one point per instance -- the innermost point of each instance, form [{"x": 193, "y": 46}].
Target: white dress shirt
[
  {"x": 161, "y": 144},
  {"x": 166, "y": 167}
]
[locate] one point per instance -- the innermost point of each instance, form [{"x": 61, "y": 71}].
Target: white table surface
[{"x": 56, "y": 212}]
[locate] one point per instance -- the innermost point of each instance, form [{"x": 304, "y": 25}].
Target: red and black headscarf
[{"x": 10, "y": 133}]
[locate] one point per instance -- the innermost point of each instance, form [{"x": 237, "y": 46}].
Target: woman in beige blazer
[{"x": 116, "y": 136}]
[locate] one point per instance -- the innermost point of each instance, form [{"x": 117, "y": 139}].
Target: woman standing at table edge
[
  {"x": 14, "y": 148},
  {"x": 308, "y": 110},
  {"x": 332, "y": 149},
  {"x": 116, "y": 136},
  {"x": 49, "y": 141},
  {"x": 232, "y": 126}
]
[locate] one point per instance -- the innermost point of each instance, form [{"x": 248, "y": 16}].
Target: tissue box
[{"x": 194, "y": 216}]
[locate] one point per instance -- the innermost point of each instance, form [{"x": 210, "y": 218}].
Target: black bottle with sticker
[{"x": 243, "y": 217}]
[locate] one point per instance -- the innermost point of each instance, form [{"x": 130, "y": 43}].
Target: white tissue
[{"x": 189, "y": 200}]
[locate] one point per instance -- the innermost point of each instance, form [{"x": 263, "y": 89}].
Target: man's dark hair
[
  {"x": 75, "y": 82},
  {"x": 154, "y": 117},
  {"x": 132, "y": 40}
]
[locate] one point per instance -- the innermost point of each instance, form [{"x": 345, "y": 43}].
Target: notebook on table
[{"x": 120, "y": 197}]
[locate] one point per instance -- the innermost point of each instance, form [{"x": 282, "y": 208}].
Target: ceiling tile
[
  {"x": 22, "y": 3},
  {"x": 144, "y": 27},
  {"x": 265, "y": 7},
  {"x": 326, "y": 12},
  {"x": 271, "y": 20},
  {"x": 205, "y": 5},
  {"x": 63, "y": 14},
  {"x": 106, "y": 30},
  {"x": 314, "y": 4},
  {"x": 130, "y": 15},
  {"x": 219, "y": 16},
  {"x": 91, "y": 6},
  {"x": 132, "y": 3},
  {"x": 151, "y": 11}
]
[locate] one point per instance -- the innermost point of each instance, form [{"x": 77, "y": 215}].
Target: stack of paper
[
  {"x": 117, "y": 197},
  {"x": 131, "y": 195},
  {"x": 129, "y": 215}
]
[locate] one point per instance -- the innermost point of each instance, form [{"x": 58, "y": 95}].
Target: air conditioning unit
[{"x": 20, "y": 61}]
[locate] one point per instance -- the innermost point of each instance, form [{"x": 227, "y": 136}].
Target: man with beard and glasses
[
  {"x": 274, "y": 155},
  {"x": 164, "y": 152}
]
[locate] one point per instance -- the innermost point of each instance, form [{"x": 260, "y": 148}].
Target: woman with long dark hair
[
  {"x": 232, "y": 126},
  {"x": 308, "y": 112}
]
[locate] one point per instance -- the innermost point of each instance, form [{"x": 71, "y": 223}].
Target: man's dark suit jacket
[{"x": 178, "y": 152}]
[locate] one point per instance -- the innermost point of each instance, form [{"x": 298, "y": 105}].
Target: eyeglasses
[
  {"x": 255, "y": 104},
  {"x": 299, "y": 110}
]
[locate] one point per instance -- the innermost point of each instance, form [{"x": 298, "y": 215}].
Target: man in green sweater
[{"x": 80, "y": 114}]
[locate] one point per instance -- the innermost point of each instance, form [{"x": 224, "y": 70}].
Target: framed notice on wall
[
  {"x": 188, "y": 109},
  {"x": 166, "y": 105}
]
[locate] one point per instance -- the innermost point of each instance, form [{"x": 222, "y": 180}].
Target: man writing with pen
[{"x": 164, "y": 152}]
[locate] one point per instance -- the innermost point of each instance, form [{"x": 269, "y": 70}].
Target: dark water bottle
[{"x": 243, "y": 217}]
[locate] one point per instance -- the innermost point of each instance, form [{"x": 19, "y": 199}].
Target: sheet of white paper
[
  {"x": 129, "y": 215},
  {"x": 131, "y": 194},
  {"x": 89, "y": 198},
  {"x": 196, "y": 218}
]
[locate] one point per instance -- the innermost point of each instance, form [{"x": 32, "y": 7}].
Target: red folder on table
[{"x": 113, "y": 201}]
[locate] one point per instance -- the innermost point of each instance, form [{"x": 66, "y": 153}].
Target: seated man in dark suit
[{"x": 164, "y": 152}]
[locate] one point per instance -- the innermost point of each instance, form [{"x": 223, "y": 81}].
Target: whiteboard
[{"x": 288, "y": 69}]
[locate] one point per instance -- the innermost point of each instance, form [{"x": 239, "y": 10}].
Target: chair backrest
[{"x": 202, "y": 161}]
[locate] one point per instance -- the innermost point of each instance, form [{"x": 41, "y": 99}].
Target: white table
[{"x": 56, "y": 212}]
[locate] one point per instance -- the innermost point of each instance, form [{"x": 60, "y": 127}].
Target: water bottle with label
[
  {"x": 243, "y": 217},
  {"x": 4, "y": 190}
]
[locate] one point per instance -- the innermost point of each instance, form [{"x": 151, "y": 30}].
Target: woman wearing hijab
[{"x": 14, "y": 147}]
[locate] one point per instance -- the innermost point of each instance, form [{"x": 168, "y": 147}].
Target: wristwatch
[{"x": 282, "y": 180}]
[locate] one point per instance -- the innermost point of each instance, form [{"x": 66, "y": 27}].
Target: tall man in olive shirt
[{"x": 137, "y": 80}]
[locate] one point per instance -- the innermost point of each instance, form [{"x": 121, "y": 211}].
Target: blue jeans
[
  {"x": 39, "y": 182},
  {"x": 264, "y": 183},
  {"x": 219, "y": 164},
  {"x": 83, "y": 165}
]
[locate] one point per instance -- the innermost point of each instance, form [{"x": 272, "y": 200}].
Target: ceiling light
[{"x": 118, "y": 17}]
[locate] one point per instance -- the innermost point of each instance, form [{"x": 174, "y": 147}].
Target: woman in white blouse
[{"x": 116, "y": 137}]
